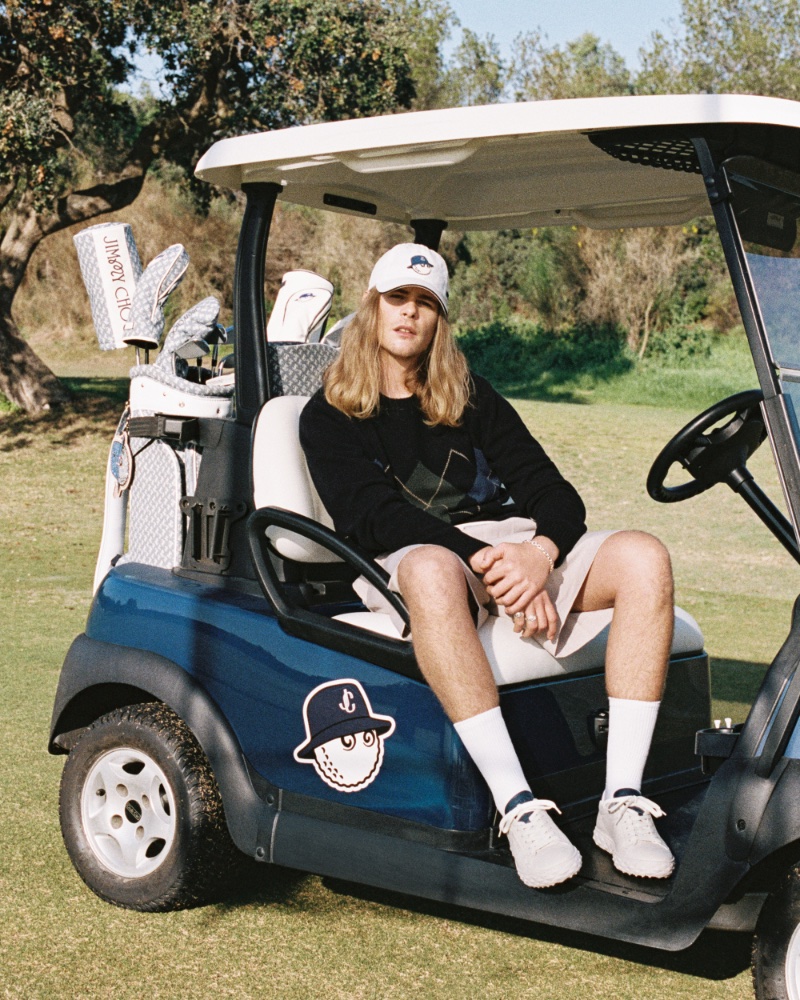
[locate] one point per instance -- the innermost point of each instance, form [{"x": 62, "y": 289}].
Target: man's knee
[
  {"x": 642, "y": 561},
  {"x": 432, "y": 582},
  {"x": 429, "y": 565}
]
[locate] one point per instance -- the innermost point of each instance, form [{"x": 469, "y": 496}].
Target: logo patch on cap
[{"x": 420, "y": 264}]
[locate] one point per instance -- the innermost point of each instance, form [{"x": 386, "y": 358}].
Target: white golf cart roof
[{"x": 493, "y": 166}]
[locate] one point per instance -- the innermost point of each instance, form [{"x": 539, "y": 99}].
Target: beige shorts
[{"x": 563, "y": 585}]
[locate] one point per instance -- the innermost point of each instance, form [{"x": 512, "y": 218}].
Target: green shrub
[
  {"x": 685, "y": 365},
  {"x": 528, "y": 360},
  {"x": 6, "y": 406},
  {"x": 680, "y": 342}
]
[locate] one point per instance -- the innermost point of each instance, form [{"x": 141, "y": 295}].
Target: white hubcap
[
  {"x": 128, "y": 812},
  {"x": 792, "y": 967}
]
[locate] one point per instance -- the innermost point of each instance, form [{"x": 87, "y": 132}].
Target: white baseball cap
[{"x": 411, "y": 264}]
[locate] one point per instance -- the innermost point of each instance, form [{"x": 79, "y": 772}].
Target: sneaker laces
[
  {"x": 637, "y": 808},
  {"x": 528, "y": 809}
]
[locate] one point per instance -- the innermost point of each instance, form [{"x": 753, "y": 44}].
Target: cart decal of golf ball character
[{"x": 344, "y": 737}]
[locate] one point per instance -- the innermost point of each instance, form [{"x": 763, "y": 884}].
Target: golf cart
[{"x": 225, "y": 645}]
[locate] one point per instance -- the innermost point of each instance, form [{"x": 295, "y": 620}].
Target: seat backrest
[
  {"x": 281, "y": 477},
  {"x": 297, "y": 369}
]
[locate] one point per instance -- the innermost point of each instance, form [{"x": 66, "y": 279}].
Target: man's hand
[{"x": 515, "y": 574}]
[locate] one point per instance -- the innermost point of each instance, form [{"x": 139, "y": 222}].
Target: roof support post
[
  {"x": 428, "y": 232},
  {"x": 249, "y": 307}
]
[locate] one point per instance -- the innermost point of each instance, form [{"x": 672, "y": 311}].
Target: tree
[
  {"x": 429, "y": 26},
  {"x": 585, "y": 67},
  {"x": 739, "y": 46},
  {"x": 539, "y": 274},
  {"x": 628, "y": 273},
  {"x": 476, "y": 74},
  {"x": 73, "y": 147}
]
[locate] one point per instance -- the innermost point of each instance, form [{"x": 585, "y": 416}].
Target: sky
[{"x": 626, "y": 24}]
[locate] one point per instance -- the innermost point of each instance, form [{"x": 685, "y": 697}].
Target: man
[{"x": 429, "y": 469}]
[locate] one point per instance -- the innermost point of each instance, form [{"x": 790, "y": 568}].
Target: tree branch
[
  {"x": 26, "y": 228},
  {"x": 6, "y": 190}
]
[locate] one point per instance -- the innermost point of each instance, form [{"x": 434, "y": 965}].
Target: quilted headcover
[
  {"x": 161, "y": 277},
  {"x": 110, "y": 268},
  {"x": 196, "y": 323},
  {"x": 301, "y": 308}
]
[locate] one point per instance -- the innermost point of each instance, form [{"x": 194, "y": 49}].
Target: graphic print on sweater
[{"x": 439, "y": 495}]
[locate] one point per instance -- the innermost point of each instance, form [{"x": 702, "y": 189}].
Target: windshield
[{"x": 766, "y": 204}]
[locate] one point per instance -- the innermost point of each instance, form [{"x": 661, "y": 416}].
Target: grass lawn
[{"x": 285, "y": 935}]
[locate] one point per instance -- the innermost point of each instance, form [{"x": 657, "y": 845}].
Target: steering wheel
[{"x": 710, "y": 457}]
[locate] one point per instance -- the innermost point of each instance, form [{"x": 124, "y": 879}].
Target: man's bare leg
[
  {"x": 446, "y": 643},
  {"x": 632, "y": 573},
  {"x": 453, "y": 662}
]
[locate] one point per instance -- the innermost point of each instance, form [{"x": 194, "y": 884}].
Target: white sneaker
[
  {"x": 542, "y": 853},
  {"x": 626, "y": 830}
]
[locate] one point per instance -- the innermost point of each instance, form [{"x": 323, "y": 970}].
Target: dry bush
[
  {"x": 626, "y": 273},
  {"x": 722, "y": 309}
]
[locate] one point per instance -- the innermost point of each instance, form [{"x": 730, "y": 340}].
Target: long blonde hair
[{"x": 441, "y": 380}]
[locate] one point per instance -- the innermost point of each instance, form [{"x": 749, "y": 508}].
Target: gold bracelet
[{"x": 543, "y": 550}]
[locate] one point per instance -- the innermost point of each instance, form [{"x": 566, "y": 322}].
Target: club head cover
[
  {"x": 194, "y": 325},
  {"x": 159, "y": 279},
  {"x": 301, "y": 308}
]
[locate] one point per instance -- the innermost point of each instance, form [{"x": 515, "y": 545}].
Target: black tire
[
  {"x": 776, "y": 946},
  {"x": 158, "y": 839}
]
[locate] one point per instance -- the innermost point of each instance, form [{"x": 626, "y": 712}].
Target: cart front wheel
[
  {"x": 141, "y": 814},
  {"x": 776, "y": 947}
]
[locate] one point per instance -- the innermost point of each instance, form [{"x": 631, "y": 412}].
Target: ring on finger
[
  {"x": 531, "y": 619},
  {"x": 519, "y": 616}
]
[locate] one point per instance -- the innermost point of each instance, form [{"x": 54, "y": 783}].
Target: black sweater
[{"x": 391, "y": 480}]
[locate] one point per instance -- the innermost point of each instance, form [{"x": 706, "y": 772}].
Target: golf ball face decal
[
  {"x": 344, "y": 737},
  {"x": 351, "y": 762}
]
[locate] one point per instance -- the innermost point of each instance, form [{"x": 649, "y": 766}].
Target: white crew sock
[
  {"x": 630, "y": 732},
  {"x": 487, "y": 741}
]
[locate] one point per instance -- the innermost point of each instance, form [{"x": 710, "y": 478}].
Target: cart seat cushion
[
  {"x": 281, "y": 477},
  {"x": 514, "y": 660}
]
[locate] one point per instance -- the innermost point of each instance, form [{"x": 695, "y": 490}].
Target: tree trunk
[
  {"x": 646, "y": 332},
  {"x": 25, "y": 379}
]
